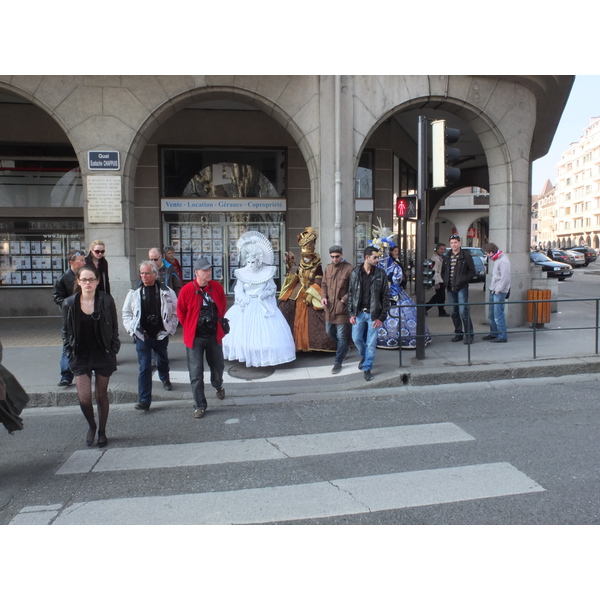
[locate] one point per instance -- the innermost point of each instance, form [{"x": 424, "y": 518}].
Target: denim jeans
[
  {"x": 364, "y": 336},
  {"x": 195, "y": 360},
  {"x": 339, "y": 333},
  {"x": 461, "y": 315},
  {"x": 496, "y": 316},
  {"x": 144, "y": 350},
  {"x": 65, "y": 371}
]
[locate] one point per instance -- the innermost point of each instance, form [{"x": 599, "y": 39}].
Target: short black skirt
[{"x": 94, "y": 360}]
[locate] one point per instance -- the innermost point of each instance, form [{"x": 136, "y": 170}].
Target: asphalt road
[{"x": 539, "y": 438}]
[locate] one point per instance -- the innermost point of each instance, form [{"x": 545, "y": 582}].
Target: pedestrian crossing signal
[{"x": 406, "y": 207}]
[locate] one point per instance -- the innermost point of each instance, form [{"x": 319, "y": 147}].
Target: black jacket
[
  {"x": 463, "y": 272},
  {"x": 107, "y": 327},
  {"x": 379, "y": 296},
  {"x": 103, "y": 283},
  {"x": 63, "y": 287}
]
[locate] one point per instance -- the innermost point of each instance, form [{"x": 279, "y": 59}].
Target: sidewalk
[{"x": 32, "y": 349}]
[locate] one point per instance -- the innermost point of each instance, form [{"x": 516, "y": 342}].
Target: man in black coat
[
  {"x": 63, "y": 288},
  {"x": 368, "y": 305},
  {"x": 457, "y": 270}
]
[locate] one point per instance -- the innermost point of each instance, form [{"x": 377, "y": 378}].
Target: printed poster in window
[
  {"x": 175, "y": 232},
  {"x": 217, "y": 260},
  {"x": 206, "y": 232},
  {"x": 36, "y": 277},
  {"x": 187, "y": 273},
  {"x": 36, "y": 248},
  {"x": 218, "y": 273},
  {"x": 206, "y": 246},
  {"x": 217, "y": 246},
  {"x": 217, "y": 232},
  {"x": 196, "y": 232},
  {"x": 47, "y": 278}
]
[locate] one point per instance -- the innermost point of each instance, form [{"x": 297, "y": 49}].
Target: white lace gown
[{"x": 259, "y": 336}]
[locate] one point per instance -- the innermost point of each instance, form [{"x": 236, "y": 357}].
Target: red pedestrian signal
[{"x": 406, "y": 207}]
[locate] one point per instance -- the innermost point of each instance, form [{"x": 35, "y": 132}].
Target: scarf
[{"x": 496, "y": 255}]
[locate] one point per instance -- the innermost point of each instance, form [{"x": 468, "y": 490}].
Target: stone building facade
[{"x": 194, "y": 160}]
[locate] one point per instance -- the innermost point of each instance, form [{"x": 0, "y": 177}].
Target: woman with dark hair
[
  {"x": 90, "y": 333},
  {"x": 97, "y": 259}
]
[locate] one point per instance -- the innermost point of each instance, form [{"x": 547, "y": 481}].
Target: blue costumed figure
[{"x": 403, "y": 312}]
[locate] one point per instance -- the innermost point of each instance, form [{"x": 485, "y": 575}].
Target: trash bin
[{"x": 540, "y": 307}]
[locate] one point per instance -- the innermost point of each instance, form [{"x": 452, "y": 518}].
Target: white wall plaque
[{"x": 104, "y": 199}]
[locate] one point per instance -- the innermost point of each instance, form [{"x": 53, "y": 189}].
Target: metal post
[{"x": 423, "y": 175}]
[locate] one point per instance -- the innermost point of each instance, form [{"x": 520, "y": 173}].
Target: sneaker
[
  {"x": 168, "y": 386},
  {"x": 64, "y": 383},
  {"x": 199, "y": 413},
  {"x": 368, "y": 376},
  {"x": 221, "y": 393},
  {"x": 499, "y": 341},
  {"x": 457, "y": 338},
  {"x": 142, "y": 406},
  {"x": 337, "y": 367}
]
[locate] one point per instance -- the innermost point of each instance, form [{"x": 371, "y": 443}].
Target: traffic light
[
  {"x": 406, "y": 207},
  {"x": 428, "y": 273},
  {"x": 444, "y": 156}
]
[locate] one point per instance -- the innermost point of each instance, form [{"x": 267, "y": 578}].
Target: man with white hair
[{"x": 150, "y": 315}]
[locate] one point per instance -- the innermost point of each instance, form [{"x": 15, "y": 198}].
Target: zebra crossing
[{"x": 281, "y": 503}]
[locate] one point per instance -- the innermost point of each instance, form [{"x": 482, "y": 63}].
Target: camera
[{"x": 153, "y": 320}]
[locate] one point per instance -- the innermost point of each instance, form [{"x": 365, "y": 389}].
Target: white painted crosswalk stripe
[
  {"x": 273, "y": 448},
  {"x": 308, "y": 501}
]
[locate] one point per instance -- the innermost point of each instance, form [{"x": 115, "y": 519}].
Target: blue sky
[{"x": 582, "y": 105}]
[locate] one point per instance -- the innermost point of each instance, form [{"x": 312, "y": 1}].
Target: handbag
[{"x": 225, "y": 325}]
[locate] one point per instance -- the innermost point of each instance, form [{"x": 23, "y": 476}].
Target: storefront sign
[
  {"x": 223, "y": 205},
  {"x": 108, "y": 160},
  {"x": 104, "y": 199}
]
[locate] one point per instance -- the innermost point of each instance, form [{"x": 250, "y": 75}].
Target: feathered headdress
[{"x": 383, "y": 237}]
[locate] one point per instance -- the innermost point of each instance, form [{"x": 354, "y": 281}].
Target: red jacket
[{"x": 188, "y": 308}]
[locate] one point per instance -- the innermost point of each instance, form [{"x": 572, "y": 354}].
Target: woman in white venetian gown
[{"x": 259, "y": 336}]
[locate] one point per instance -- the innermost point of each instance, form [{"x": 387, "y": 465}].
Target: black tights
[{"x": 84, "y": 391}]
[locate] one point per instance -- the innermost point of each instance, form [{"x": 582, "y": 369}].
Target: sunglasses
[
  {"x": 155, "y": 259},
  {"x": 99, "y": 251},
  {"x": 335, "y": 255},
  {"x": 455, "y": 237}
]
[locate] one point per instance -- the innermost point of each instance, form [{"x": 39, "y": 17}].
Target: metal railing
[{"x": 535, "y": 325}]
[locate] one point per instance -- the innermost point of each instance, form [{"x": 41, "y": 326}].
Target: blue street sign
[{"x": 104, "y": 160}]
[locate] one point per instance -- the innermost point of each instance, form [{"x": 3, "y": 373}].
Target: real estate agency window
[
  {"x": 231, "y": 182},
  {"x": 39, "y": 180}
]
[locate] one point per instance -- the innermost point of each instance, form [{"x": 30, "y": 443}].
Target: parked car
[
  {"x": 589, "y": 253},
  {"x": 552, "y": 268},
  {"x": 579, "y": 258},
  {"x": 480, "y": 268},
  {"x": 559, "y": 255},
  {"x": 475, "y": 251}
]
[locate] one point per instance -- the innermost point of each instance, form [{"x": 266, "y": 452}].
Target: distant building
[
  {"x": 543, "y": 218},
  {"x": 577, "y": 193}
]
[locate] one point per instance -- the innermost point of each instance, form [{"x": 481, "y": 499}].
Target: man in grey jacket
[{"x": 499, "y": 289}]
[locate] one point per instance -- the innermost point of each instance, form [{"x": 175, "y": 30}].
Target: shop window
[
  {"x": 364, "y": 176},
  {"x": 34, "y": 252},
  {"x": 223, "y": 173},
  {"x": 35, "y": 183},
  {"x": 214, "y": 236}
]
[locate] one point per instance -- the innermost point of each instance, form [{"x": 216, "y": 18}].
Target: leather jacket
[
  {"x": 107, "y": 331},
  {"x": 63, "y": 287},
  {"x": 464, "y": 270},
  {"x": 379, "y": 297}
]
